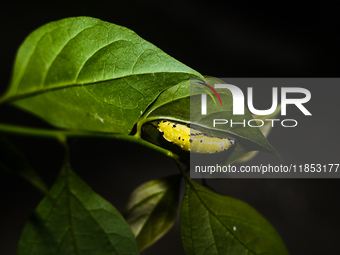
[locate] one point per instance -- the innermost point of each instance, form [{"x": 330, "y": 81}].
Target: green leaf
[
  {"x": 177, "y": 104},
  {"x": 83, "y": 223},
  {"x": 86, "y": 74},
  {"x": 152, "y": 209},
  {"x": 216, "y": 224},
  {"x": 14, "y": 162},
  {"x": 162, "y": 106}
]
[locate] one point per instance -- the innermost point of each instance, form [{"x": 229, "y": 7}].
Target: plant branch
[{"x": 61, "y": 135}]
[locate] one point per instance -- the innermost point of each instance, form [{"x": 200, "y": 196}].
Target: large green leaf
[
  {"x": 214, "y": 224},
  {"x": 86, "y": 74},
  {"x": 14, "y": 162},
  {"x": 152, "y": 209},
  {"x": 176, "y": 103},
  {"x": 83, "y": 223}
]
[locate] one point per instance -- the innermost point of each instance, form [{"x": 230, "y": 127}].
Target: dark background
[{"x": 217, "y": 38}]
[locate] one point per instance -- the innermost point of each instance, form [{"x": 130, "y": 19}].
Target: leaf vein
[{"x": 56, "y": 56}]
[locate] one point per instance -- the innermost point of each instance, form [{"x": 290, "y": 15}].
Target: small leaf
[
  {"x": 14, "y": 162},
  {"x": 86, "y": 74},
  {"x": 216, "y": 224},
  {"x": 152, "y": 209},
  {"x": 83, "y": 223}
]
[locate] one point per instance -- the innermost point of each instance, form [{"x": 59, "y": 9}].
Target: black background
[{"x": 217, "y": 38}]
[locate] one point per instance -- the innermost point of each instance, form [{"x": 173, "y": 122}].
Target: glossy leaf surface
[{"x": 86, "y": 74}]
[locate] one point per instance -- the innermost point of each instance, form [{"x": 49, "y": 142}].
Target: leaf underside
[
  {"x": 177, "y": 104},
  {"x": 152, "y": 209}
]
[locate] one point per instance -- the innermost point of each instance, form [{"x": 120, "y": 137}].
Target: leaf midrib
[
  {"x": 150, "y": 213},
  {"x": 144, "y": 200},
  {"x": 15, "y": 97},
  {"x": 69, "y": 193},
  {"x": 49, "y": 214},
  {"x": 213, "y": 214}
]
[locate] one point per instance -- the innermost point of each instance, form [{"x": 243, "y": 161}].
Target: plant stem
[
  {"x": 185, "y": 176},
  {"x": 140, "y": 124},
  {"x": 61, "y": 135}
]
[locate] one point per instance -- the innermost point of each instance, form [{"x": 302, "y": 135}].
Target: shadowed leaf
[
  {"x": 83, "y": 223},
  {"x": 216, "y": 224},
  {"x": 152, "y": 209}
]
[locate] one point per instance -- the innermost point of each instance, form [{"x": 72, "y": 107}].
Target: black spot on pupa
[
  {"x": 164, "y": 121},
  {"x": 173, "y": 125},
  {"x": 216, "y": 151},
  {"x": 201, "y": 141},
  {"x": 190, "y": 140},
  {"x": 179, "y": 138},
  {"x": 182, "y": 139}
]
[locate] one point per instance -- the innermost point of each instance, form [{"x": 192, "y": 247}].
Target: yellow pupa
[{"x": 192, "y": 140}]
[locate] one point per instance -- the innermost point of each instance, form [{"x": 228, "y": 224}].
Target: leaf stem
[
  {"x": 181, "y": 169},
  {"x": 62, "y": 134},
  {"x": 3, "y": 99},
  {"x": 141, "y": 123}
]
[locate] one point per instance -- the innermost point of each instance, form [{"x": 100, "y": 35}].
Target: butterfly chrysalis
[{"x": 192, "y": 140}]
